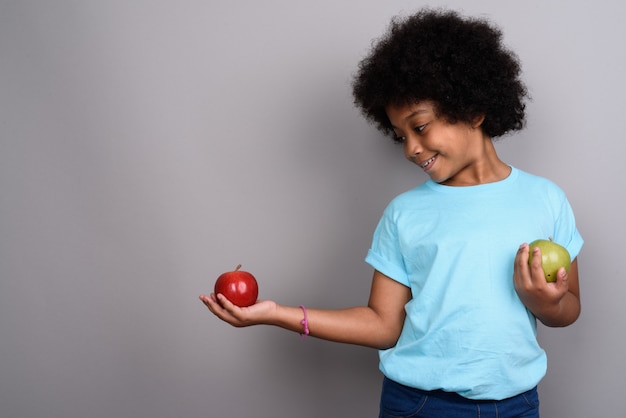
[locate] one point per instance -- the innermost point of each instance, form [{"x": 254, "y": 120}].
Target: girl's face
[{"x": 451, "y": 154}]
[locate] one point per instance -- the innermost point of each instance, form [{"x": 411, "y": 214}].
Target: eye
[
  {"x": 419, "y": 129},
  {"x": 399, "y": 139}
]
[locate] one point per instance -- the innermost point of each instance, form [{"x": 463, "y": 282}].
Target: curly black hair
[{"x": 457, "y": 62}]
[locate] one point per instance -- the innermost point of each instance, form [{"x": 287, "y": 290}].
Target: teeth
[{"x": 425, "y": 163}]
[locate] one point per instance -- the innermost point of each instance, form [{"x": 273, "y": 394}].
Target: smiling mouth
[{"x": 426, "y": 164}]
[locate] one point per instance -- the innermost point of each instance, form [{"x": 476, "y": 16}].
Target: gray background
[{"x": 148, "y": 146}]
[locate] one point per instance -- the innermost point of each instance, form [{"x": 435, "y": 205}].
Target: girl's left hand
[{"x": 536, "y": 293}]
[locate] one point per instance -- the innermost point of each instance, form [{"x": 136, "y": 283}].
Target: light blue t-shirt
[{"x": 466, "y": 329}]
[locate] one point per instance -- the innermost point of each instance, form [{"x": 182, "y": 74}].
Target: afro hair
[{"x": 458, "y": 63}]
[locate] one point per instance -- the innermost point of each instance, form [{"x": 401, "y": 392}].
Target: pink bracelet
[{"x": 305, "y": 323}]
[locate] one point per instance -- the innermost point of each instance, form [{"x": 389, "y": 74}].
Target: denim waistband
[{"x": 451, "y": 396}]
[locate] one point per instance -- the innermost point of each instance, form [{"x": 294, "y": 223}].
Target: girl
[{"x": 454, "y": 302}]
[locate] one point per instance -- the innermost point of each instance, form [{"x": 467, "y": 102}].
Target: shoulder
[
  {"x": 540, "y": 191},
  {"x": 537, "y": 183},
  {"x": 411, "y": 196},
  {"x": 407, "y": 201}
]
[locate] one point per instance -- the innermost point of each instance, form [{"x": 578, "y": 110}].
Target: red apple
[
  {"x": 553, "y": 257},
  {"x": 239, "y": 287}
]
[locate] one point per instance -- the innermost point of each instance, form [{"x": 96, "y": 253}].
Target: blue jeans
[{"x": 399, "y": 401}]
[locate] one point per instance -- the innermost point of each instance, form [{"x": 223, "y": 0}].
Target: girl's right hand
[{"x": 259, "y": 313}]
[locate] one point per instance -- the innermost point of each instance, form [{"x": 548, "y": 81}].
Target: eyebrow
[
  {"x": 411, "y": 115},
  {"x": 415, "y": 113}
]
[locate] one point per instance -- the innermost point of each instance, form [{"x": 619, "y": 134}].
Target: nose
[{"x": 412, "y": 147}]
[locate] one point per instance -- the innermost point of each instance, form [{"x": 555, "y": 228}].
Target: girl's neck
[{"x": 486, "y": 168}]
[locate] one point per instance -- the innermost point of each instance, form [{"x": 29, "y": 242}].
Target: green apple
[{"x": 553, "y": 257}]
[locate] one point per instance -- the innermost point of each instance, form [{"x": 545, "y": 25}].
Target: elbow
[
  {"x": 385, "y": 346},
  {"x": 565, "y": 319},
  {"x": 387, "y": 341}
]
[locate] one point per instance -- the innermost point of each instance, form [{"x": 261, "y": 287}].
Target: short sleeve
[
  {"x": 565, "y": 231},
  {"x": 385, "y": 254}
]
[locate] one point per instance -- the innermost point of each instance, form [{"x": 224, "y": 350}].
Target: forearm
[
  {"x": 357, "y": 325},
  {"x": 561, "y": 314},
  {"x": 376, "y": 325}
]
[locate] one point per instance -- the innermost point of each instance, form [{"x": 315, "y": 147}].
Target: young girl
[{"x": 454, "y": 301}]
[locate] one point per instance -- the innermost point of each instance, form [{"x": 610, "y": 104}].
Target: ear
[{"x": 478, "y": 121}]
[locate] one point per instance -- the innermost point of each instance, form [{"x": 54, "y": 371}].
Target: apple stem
[
  {"x": 550, "y": 238},
  {"x": 239, "y": 265}
]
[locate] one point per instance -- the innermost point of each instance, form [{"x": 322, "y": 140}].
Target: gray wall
[{"x": 147, "y": 146}]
